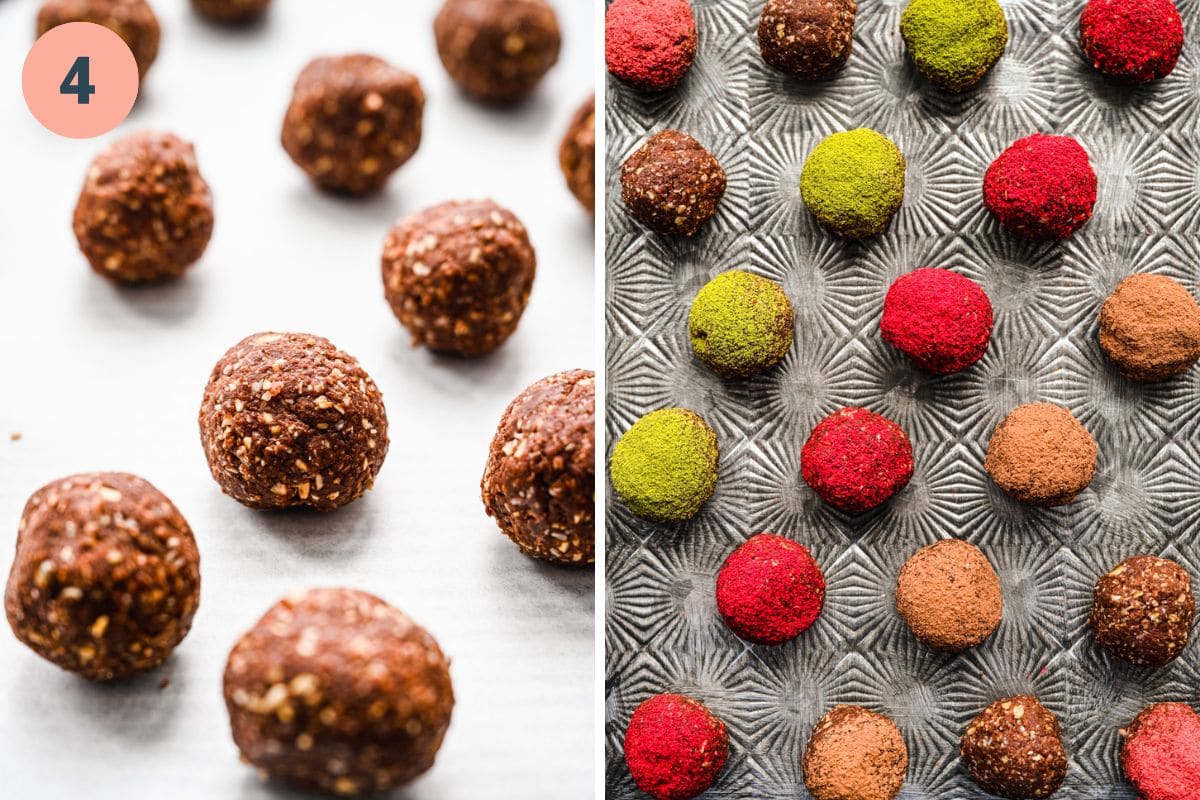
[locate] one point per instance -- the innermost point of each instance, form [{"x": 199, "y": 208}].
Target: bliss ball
[
  {"x": 770, "y": 589},
  {"x": 458, "y": 276},
  {"x": 1142, "y": 611},
  {"x": 352, "y": 122},
  {"x": 1014, "y": 749},
  {"x": 577, "y": 155},
  {"x": 1134, "y": 40},
  {"x": 289, "y": 420},
  {"x": 540, "y": 480},
  {"x": 1041, "y": 187},
  {"x": 938, "y": 318},
  {"x": 1150, "y": 328},
  {"x": 855, "y": 459},
  {"x": 855, "y": 753},
  {"x": 954, "y": 42},
  {"x": 807, "y": 39},
  {"x": 1161, "y": 752},
  {"x": 145, "y": 213},
  {"x": 740, "y": 324},
  {"x": 664, "y": 468},
  {"x": 497, "y": 51},
  {"x": 672, "y": 185},
  {"x": 675, "y": 748},
  {"x": 649, "y": 44},
  {"x": 106, "y": 577},
  {"x": 133, "y": 20},
  {"x": 1041, "y": 455},
  {"x": 336, "y": 691},
  {"x": 949, "y": 596},
  {"x": 232, "y": 12},
  {"x": 853, "y": 182}
]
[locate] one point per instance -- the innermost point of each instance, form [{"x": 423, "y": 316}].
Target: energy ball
[
  {"x": 853, "y": 182},
  {"x": 949, "y": 596},
  {"x": 289, "y": 420},
  {"x": 1150, "y": 328},
  {"x": 770, "y": 589},
  {"x": 497, "y": 51},
  {"x": 675, "y": 748},
  {"x": 807, "y": 39},
  {"x": 672, "y": 185},
  {"x": 649, "y": 44},
  {"x": 664, "y": 468},
  {"x": 336, "y": 691},
  {"x": 1142, "y": 611},
  {"x": 1041, "y": 187},
  {"x": 145, "y": 213},
  {"x": 855, "y": 753},
  {"x": 740, "y": 324},
  {"x": 1161, "y": 752},
  {"x": 352, "y": 122},
  {"x": 1014, "y": 749},
  {"x": 458, "y": 276},
  {"x": 232, "y": 12},
  {"x": 577, "y": 155},
  {"x": 1041, "y": 455},
  {"x": 133, "y": 20},
  {"x": 954, "y": 42},
  {"x": 855, "y": 459},
  {"x": 941, "y": 320},
  {"x": 1133, "y": 40},
  {"x": 540, "y": 480},
  {"x": 106, "y": 578}
]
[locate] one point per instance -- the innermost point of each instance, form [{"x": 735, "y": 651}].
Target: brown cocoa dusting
[
  {"x": 855, "y": 752},
  {"x": 949, "y": 595},
  {"x": 1040, "y": 454},
  {"x": 1150, "y": 328}
]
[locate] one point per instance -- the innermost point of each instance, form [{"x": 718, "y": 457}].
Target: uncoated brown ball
[
  {"x": 289, "y": 420},
  {"x": 1150, "y": 328},
  {"x": 232, "y": 12},
  {"x": 353, "y": 121},
  {"x": 336, "y": 691},
  {"x": 106, "y": 578},
  {"x": 540, "y": 480},
  {"x": 497, "y": 51},
  {"x": 133, "y": 20},
  {"x": 145, "y": 213},
  {"x": 577, "y": 155},
  {"x": 807, "y": 39},
  {"x": 458, "y": 275},
  {"x": 1142, "y": 611},
  {"x": 1014, "y": 749}
]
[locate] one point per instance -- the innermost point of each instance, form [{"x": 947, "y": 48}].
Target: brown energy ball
[
  {"x": 106, "y": 578},
  {"x": 336, "y": 691},
  {"x": 1150, "y": 328},
  {"x": 672, "y": 184},
  {"x": 352, "y": 122},
  {"x": 289, "y": 420},
  {"x": 577, "y": 155},
  {"x": 1142, "y": 611},
  {"x": 855, "y": 754},
  {"x": 1040, "y": 454},
  {"x": 497, "y": 51},
  {"x": 807, "y": 39},
  {"x": 145, "y": 213},
  {"x": 1014, "y": 749},
  {"x": 133, "y": 20},
  {"x": 232, "y": 12},
  {"x": 458, "y": 275},
  {"x": 949, "y": 595},
  {"x": 540, "y": 480}
]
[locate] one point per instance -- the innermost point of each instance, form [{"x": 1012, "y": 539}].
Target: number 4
[{"x": 78, "y": 81}]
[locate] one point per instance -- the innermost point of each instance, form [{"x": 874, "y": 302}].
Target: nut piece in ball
[
  {"x": 232, "y": 12},
  {"x": 497, "y": 51},
  {"x": 1161, "y": 753},
  {"x": 133, "y": 20},
  {"x": 458, "y": 276},
  {"x": 938, "y": 318},
  {"x": 336, "y": 691},
  {"x": 770, "y": 589},
  {"x": 855, "y": 753},
  {"x": 1041, "y": 455},
  {"x": 954, "y": 42},
  {"x": 740, "y": 324},
  {"x": 106, "y": 578},
  {"x": 1014, "y": 749},
  {"x": 853, "y": 183},
  {"x": 1142, "y": 611},
  {"x": 949, "y": 596},
  {"x": 540, "y": 480},
  {"x": 1150, "y": 328},
  {"x": 855, "y": 459},
  {"x": 671, "y": 184},
  {"x": 675, "y": 747},
  {"x": 664, "y": 468},
  {"x": 577, "y": 155},
  {"x": 807, "y": 39},
  {"x": 649, "y": 44},
  {"x": 1137, "y": 41},
  {"x": 289, "y": 420},
  {"x": 145, "y": 213}
]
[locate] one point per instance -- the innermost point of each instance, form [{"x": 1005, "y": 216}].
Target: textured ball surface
[
  {"x": 675, "y": 748},
  {"x": 232, "y": 12},
  {"x": 740, "y": 324},
  {"x": 1040, "y": 454},
  {"x": 949, "y": 596},
  {"x": 1150, "y": 328},
  {"x": 1041, "y": 187},
  {"x": 133, "y": 20},
  {"x": 938, "y": 318},
  {"x": 855, "y": 753},
  {"x": 807, "y": 39},
  {"x": 664, "y": 468},
  {"x": 1161, "y": 752},
  {"x": 853, "y": 182},
  {"x": 577, "y": 155},
  {"x": 1142, "y": 611},
  {"x": 954, "y": 42},
  {"x": 855, "y": 459},
  {"x": 1014, "y": 749},
  {"x": 770, "y": 589},
  {"x": 1133, "y": 40},
  {"x": 671, "y": 184},
  {"x": 497, "y": 51},
  {"x": 649, "y": 44}
]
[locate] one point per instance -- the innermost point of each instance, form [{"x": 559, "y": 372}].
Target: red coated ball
[
  {"x": 675, "y": 747},
  {"x": 770, "y": 589},
  {"x": 1041, "y": 187},
  {"x": 649, "y": 44},
  {"x": 938, "y": 318},
  {"x": 1161, "y": 754},
  {"x": 855, "y": 459},
  {"x": 1134, "y": 40}
]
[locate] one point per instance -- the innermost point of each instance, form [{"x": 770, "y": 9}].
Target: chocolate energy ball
[
  {"x": 1142, "y": 611},
  {"x": 938, "y": 318},
  {"x": 675, "y": 747},
  {"x": 855, "y": 754},
  {"x": 664, "y": 468},
  {"x": 1041, "y": 187},
  {"x": 145, "y": 213},
  {"x": 106, "y": 578},
  {"x": 949, "y": 596},
  {"x": 352, "y": 122},
  {"x": 336, "y": 691},
  {"x": 1133, "y": 40},
  {"x": 649, "y": 44},
  {"x": 855, "y": 459},
  {"x": 672, "y": 185},
  {"x": 133, "y": 20},
  {"x": 807, "y": 39},
  {"x": 954, "y": 42},
  {"x": 1014, "y": 749},
  {"x": 770, "y": 589},
  {"x": 289, "y": 420},
  {"x": 497, "y": 51},
  {"x": 740, "y": 324},
  {"x": 577, "y": 155},
  {"x": 1150, "y": 328},
  {"x": 458, "y": 276},
  {"x": 540, "y": 480},
  {"x": 853, "y": 183},
  {"x": 232, "y": 12},
  {"x": 1161, "y": 753},
  {"x": 1041, "y": 455}
]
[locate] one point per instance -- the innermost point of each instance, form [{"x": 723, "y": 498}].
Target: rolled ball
[
  {"x": 1161, "y": 752},
  {"x": 941, "y": 320},
  {"x": 1014, "y": 749},
  {"x": 232, "y": 12},
  {"x": 853, "y": 183},
  {"x": 855, "y": 459},
  {"x": 1133, "y": 40},
  {"x": 664, "y": 468},
  {"x": 807, "y": 39},
  {"x": 675, "y": 747},
  {"x": 497, "y": 51},
  {"x": 855, "y": 753},
  {"x": 1041, "y": 187},
  {"x": 133, "y": 20},
  {"x": 671, "y": 184},
  {"x": 1150, "y": 328},
  {"x": 954, "y": 42},
  {"x": 577, "y": 155},
  {"x": 740, "y": 324},
  {"x": 949, "y": 595},
  {"x": 649, "y": 44},
  {"x": 1041, "y": 455},
  {"x": 1142, "y": 611},
  {"x": 770, "y": 589}
]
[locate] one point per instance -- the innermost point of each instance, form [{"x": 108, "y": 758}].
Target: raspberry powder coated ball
[
  {"x": 1161, "y": 753},
  {"x": 1133, "y": 40},
  {"x": 1041, "y": 187},
  {"x": 675, "y": 748},
  {"x": 770, "y": 589},
  {"x": 938, "y": 318},
  {"x": 649, "y": 44},
  {"x": 855, "y": 459}
]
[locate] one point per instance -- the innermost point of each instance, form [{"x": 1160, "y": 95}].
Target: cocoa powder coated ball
[
  {"x": 1150, "y": 328},
  {"x": 232, "y": 12},
  {"x": 133, "y": 20},
  {"x": 1041, "y": 455},
  {"x": 1014, "y": 749},
  {"x": 336, "y": 691},
  {"x": 497, "y": 51},
  {"x": 949, "y": 595},
  {"x": 855, "y": 754},
  {"x": 807, "y": 39},
  {"x": 289, "y": 420},
  {"x": 577, "y": 155},
  {"x": 671, "y": 184},
  {"x": 106, "y": 577},
  {"x": 1142, "y": 611}
]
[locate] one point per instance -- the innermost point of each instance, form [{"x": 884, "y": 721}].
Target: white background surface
[{"x": 99, "y": 378}]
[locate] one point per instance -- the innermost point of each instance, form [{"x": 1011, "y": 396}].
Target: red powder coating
[
  {"x": 1135, "y": 40},
  {"x": 675, "y": 747},
  {"x": 1161, "y": 756},
  {"x": 650, "y": 44},
  {"x": 938, "y": 318},
  {"x": 770, "y": 589},
  {"x": 1041, "y": 187},
  {"x": 856, "y": 459}
]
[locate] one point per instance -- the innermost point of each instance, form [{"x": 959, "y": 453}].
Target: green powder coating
[
  {"x": 665, "y": 467},
  {"x": 740, "y": 324},
  {"x": 954, "y": 42},
  {"x": 853, "y": 182}
]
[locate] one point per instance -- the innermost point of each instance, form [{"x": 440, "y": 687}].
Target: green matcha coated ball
[
  {"x": 853, "y": 182},
  {"x": 954, "y": 42},
  {"x": 665, "y": 467},
  {"x": 740, "y": 324}
]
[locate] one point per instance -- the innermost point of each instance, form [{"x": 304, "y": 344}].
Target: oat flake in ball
[
  {"x": 855, "y": 754},
  {"x": 671, "y": 184},
  {"x": 577, "y": 155},
  {"x": 807, "y": 39},
  {"x": 1161, "y": 752},
  {"x": 497, "y": 51},
  {"x": 855, "y": 459},
  {"x": 675, "y": 747},
  {"x": 1150, "y": 328},
  {"x": 1014, "y": 749},
  {"x": 770, "y": 589},
  {"x": 133, "y": 20},
  {"x": 232, "y": 12},
  {"x": 1142, "y": 611}
]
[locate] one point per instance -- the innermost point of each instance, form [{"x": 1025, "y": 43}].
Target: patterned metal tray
[{"x": 663, "y": 632}]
